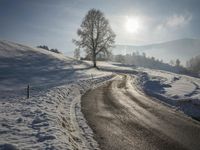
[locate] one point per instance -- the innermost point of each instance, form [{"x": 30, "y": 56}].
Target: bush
[{"x": 47, "y": 48}]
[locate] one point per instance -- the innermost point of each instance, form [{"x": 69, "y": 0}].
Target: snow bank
[
  {"x": 50, "y": 120},
  {"x": 180, "y": 91}
]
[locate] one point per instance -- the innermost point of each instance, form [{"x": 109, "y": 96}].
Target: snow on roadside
[
  {"x": 48, "y": 120},
  {"x": 180, "y": 91}
]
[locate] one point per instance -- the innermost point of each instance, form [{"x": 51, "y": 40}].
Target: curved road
[{"x": 123, "y": 118}]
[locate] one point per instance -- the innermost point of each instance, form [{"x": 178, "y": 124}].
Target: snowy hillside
[
  {"x": 51, "y": 117},
  {"x": 22, "y": 65}
]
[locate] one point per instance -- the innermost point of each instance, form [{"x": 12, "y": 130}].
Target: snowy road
[{"x": 123, "y": 118}]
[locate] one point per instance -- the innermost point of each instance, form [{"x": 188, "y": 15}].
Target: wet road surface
[{"x": 123, "y": 118}]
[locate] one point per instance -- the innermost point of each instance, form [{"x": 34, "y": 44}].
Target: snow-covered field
[
  {"x": 21, "y": 65},
  {"x": 180, "y": 91},
  {"x": 51, "y": 118},
  {"x": 48, "y": 120},
  {"x": 114, "y": 67}
]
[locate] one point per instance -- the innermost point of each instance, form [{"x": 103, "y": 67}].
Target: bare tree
[
  {"x": 172, "y": 63},
  {"x": 178, "y": 62},
  {"x": 77, "y": 53},
  {"x": 194, "y": 64},
  {"x": 120, "y": 58},
  {"x": 95, "y": 35}
]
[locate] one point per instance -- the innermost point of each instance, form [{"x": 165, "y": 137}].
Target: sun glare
[{"x": 132, "y": 25}]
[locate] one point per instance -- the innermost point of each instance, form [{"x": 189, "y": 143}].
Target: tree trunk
[{"x": 94, "y": 60}]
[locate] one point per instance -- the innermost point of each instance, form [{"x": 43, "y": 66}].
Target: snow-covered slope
[
  {"x": 11, "y": 50},
  {"x": 49, "y": 120},
  {"x": 116, "y": 67},
  {"x": 51, "y": 117},
  {"x": 180, "y": 91},
  {"x": 22, "y": 65}
]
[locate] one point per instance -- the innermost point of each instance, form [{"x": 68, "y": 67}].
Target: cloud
[{"x": 176, "y": 20}]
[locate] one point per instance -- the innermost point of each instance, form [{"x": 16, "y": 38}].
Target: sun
[{"x": 132, "y": 25}]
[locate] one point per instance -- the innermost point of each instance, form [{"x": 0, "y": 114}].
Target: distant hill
[{"x": 184, "y": 49}]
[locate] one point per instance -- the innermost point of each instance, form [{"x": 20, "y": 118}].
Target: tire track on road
[{"x": 121, "y": 118}]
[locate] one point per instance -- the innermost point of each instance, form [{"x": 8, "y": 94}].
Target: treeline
[
  {"x": 47, "y": 48},
  {"x": 194, "y": 64},
  {"x": 141, "y": 60}
]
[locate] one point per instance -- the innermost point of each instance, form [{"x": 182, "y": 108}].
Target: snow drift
[{"x": 180, "y": 91}]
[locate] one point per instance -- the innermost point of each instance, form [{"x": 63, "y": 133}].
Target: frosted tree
[
  {"x": 178, "y": 62},
  {"x": 194, "y": 64},
  {"x": 171, "y": 62},
  {"x": 77, "y": 53},
  {"x": 95, "y": 35}
]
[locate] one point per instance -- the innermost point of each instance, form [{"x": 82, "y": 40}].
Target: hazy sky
[{"x": 54, "y": 22}]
